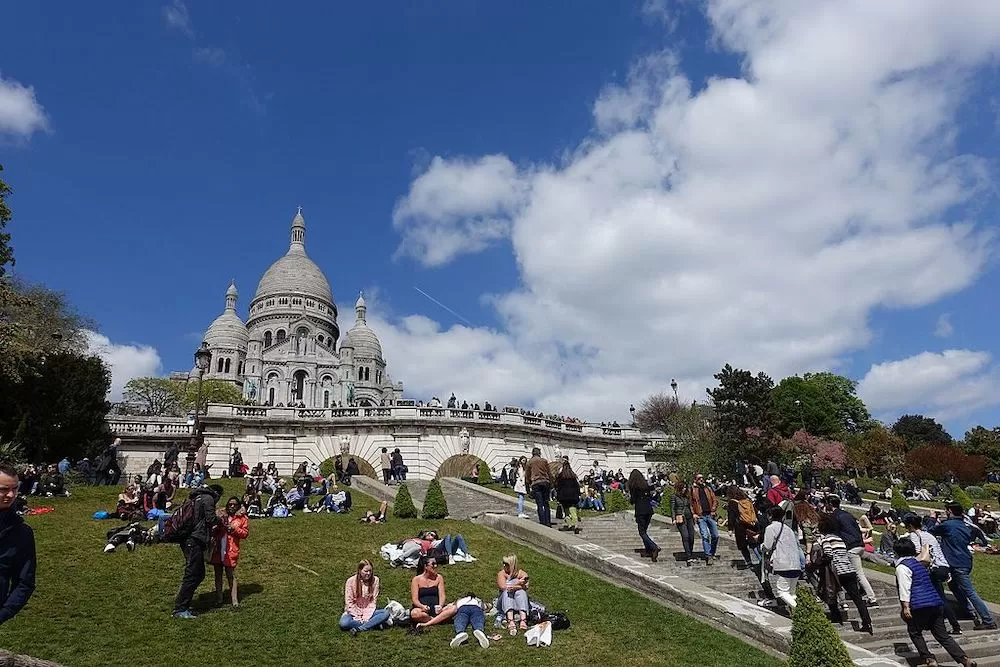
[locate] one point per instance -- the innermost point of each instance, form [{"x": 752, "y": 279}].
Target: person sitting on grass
[
  {"x": 53, "y": 482},
  {"x": 233, "y": 528},
  {"x": 513, "y": 601},
  {"x": 428, "y": 596},
  {"x": 471, "y": 611},
  {"x": 128, "y": 503},
  {"x": 381, "y": 516},
  {"x": 252, "y": 502},
  {"x": 360, "y": 599}
]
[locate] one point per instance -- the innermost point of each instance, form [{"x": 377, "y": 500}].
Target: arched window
[
  {"x": 281, "y": 336},
  {"x": 378, "y": 377},
  {"x": 320, "y": 338},
  {"x": 302, "y": 331},
  {"x": 227, "y": 366},
  {"x": 221, "y": 364},
  {"x": 368, "y": 372},
  {"x": 326, "y": 399},
  {"x": 267, "y": 339},
  {"x": 298, "y": 385},
  {"x": 270, "y": 396}
]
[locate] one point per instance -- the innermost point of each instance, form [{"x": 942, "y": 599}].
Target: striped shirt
[{"x": 835, "y": 549}]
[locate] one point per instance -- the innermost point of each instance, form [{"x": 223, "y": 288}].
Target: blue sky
[{"x": 611, "y": 194}]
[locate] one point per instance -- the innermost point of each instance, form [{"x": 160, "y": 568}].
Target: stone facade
[{"x": 287, "y": 352}]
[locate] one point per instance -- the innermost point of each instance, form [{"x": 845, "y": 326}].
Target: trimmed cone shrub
[
  {"x": 992, "y": 489},
  {"x": 326, "y": 467},
  {"x": 435, "y": 506},
  {"x": 976, "y": 492},
  {"x": 485, "y": 474},
  {"x": 402, "y": 507},
  {"x": 898, "y": 501},
  {"x": 961, "y": 497},
  {"x": 664, "y": 506},
  {"x": 815, "y": 642},
  {"x": 616, "y": 502}
]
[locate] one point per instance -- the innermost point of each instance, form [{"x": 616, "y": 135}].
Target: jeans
[
  {"x": 540, "y": 494},
  {"x": 194, "y": 573},
  {"x": 855, "y": 556},
  {"x": 939, "y": 575},
  {"x": 520, "y": 504},
  {"x": 642, "y": 521},
  {"x": 599, "y": 504},
  {"x": 750, "y": 552},
  {"x": 380, "y": 616},
  {"x": 709, "y": 529},
  {"x": 469, "y": 613},
  {"x": 932, "y": 618},
  {"x": 455, "y": 543},
  {"x": 961, "y": 587},
  {"x": 686, "y": 529}
]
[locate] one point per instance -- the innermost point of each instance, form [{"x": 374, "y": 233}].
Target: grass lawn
[{"x": 92, "y": 608}]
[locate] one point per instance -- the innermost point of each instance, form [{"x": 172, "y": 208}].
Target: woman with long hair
[
  {"x": 641, "y": 495},
  {"x": 226, "y": 538},
  {"x": 739, "y": 510},
  {"x": 807, "y": 519},
  {"x": 428, "y": 596},
  {"x": 360, "y": 598},
  {"x": 568, "y": 495},
  {"x": 513, "y": 584},
  {"x": 680, "y": 510},
  {"x": 520, "y": 488}
]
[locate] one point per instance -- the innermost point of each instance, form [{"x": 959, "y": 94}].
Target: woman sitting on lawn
[
  {"x": 360, "y": 598},
  {"x": 226, "y": 539},
  {"x": 513, "y": 584},
  {"x": 128, "y": 502},
  {"x": 428, "y": 596}
]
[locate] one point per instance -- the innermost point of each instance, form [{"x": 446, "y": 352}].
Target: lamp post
[
  {"x": 673, "y": 385},
  {"x": 802, "y": 419},
  {"x": 202, "y": 360}
]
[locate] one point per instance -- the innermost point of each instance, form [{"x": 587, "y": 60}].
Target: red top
[{"x": 226, "y": 539}]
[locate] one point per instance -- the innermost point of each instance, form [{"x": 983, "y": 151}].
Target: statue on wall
[
  {"x": 464, "y": 440},
  {"x": 557, "y": 453},
  {"x": 345, "y": 444},
  {"x": 250, "y": 389}
]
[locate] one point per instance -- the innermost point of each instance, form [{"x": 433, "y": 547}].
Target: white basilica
[{"x": 287, "y": 352}]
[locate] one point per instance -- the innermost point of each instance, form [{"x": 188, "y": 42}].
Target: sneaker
[
  {"x": 307, "y": 510},
  {"x": 108, "y": 548},
  {"x": 481, "y": 638},
  {"x": 522, "y": 516},
  {"x": 872, "y": 604},
  {"x": 460, "y": 639},
  {"x": 985, "y": 626},
  {"x": 767, "y": 604},
  {"x": 353, "y": 632},
  {"x": 957, "y": 630},
  {"x": 183, "y": 614},
  {"x": 451, "y": 560}
]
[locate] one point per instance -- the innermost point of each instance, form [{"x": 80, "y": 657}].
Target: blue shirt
[{"x": 955, "y": 536}]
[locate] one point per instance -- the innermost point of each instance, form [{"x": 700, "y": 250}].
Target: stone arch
[
  {"x": 298, "y": 386},
  {"x": 364, "y": 467},
  {"x": 459, "y": 465}
]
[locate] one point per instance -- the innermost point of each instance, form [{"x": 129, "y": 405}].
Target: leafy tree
[
  {"x": 688, "y": 429},
  {"x": 898, "y": 501},
  {"x": 878, "y": 452},
  {"x": 402, "y": 506},
  {"x": 852, "y": 413},
  {"x": 824, "y": 404},
  {"x": 484, "y": 474},
  {"x": 937, "y": 461},
  {"x": 918, "y": 430},
  {"x": 984, "y": 442},
  {"x": 435, "y": 506},
  {"x": 212, "y": 391},
  {"x": 823, "y": 454},
  {"x": 745, "y": 423},
  {"x": 6, "y": 251},
  {"x": 815, "y": 642},
  {"x": 961, "y": 497},
  {"x": 157, "y": 396}
]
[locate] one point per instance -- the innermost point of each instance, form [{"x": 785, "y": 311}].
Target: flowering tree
[{"x": 825, "y": 454}]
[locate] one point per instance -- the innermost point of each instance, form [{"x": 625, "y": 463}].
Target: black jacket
[
  {"x": 848, "y": 529},
  {"x": 567, "y": 491},
  {"x": 17, "y": 564},
  {"x": 642, "y": 501},
  {"x": 204, "y": 514}
]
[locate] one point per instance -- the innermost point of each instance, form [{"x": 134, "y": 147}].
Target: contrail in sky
[{"x": 444, "y": 306}]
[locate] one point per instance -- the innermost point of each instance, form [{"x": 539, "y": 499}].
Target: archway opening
[
  {"x": 299, "y": 381},
  {"x": 460, "y": 465}
]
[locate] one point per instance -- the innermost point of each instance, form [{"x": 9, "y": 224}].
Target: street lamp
[
  {"x": 802, "y": 419},
  {"x": 673, "y": 385},
  {"x": 202, "y": 360},
  {"x": 631, "y": 409}
]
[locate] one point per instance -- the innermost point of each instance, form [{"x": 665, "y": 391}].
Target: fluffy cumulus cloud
[
  {"x": 21, "y": 115},
  {"x": 755, "y": 220},
  {"x": 946, "y": 384},
  {"x": 176, "y": 17},
  {"x": 126, "y": 361}
]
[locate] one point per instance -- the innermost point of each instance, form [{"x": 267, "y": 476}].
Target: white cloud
[
  {"x": 176, "y": 16},
  {"x": 946, "y": 385},
  {"x": 210, "y": 55},
  {"x": 944, "y": 327},
  {"x": 126, "y": 361},
  {"x": 458, "y": 206},
  {"x": 20, "y": 113},
  {"x": 757, "y": 220}
]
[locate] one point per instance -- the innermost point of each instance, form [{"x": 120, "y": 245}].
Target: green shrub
[
  {"x": 402, "y": 507},
  {"x": 976, "y": 492},
  {"x": 992, "y": 489},
  {"x": 326, "y": 467},
  {"x": 898, "y": 501},
  {"x": 961, "y": 497},
  {"x": 485, "y": 474},
  {"x": 927, "y": 483},
  {"x": 616, "y": 502},
  {"x": 435, "y": 506},
  {"x": 664, "y": 506},
  {"x": 815, "y": 642},
  {"x": 875, "y": 484}
]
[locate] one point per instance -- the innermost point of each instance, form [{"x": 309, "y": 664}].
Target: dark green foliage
[
  {"x": 985, "y": 442},
  {"x": 815, "y": 642},
  {"x": 616, "y": 502},
  {"x": 485, "y": 474},
  {"x": 898, "y": 501},
  {"x": 961, "y": 497},
  {"x": 402, "y": 507},
  {"x": 976, "y": 492},
  {"x": 664, "y": 506},
  {"x": 326, "y": 468},
  {"x": 6, "y": 251},
  {"x": 918, "y": 431},
  {"x": 992, "y": 489},
  {"x": 745, "y": 422},
  {"x": 435, "y": 506}
]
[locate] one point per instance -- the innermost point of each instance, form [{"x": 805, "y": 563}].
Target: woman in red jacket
[{"x": 233, "y": 528}]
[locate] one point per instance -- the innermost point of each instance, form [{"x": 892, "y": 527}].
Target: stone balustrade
[{"x": 166, "y": 426}]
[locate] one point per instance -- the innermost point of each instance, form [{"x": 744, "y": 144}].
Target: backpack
[
  {"x": 279, "y": 512},
  {"x": 559, "y": 620},
  {"x": 748, "y": 515},
  {"x": 179, "y": 525}
]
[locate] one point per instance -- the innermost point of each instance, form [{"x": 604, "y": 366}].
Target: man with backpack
[{"x": 192, "y": 526}]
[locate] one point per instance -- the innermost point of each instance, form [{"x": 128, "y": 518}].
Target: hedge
[
  {"x": 616, "y": 502},
  {"x": 485, "y": 474},
  {"x": 898, "y": 501},
  {"x": 403, "y": 507},
  {"x": 961, "y": 497},
  {"x": 435, "y": 506},
  {"x": 815, "y": 642}
]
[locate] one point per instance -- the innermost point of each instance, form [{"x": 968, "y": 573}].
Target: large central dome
[{"x": 295, "y": 273}]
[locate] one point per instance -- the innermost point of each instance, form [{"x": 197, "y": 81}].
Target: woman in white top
[
  {"x": 782, "y": 553},
  {"x": 519, "y": 487},
  {"x": 939, "y": 569}
]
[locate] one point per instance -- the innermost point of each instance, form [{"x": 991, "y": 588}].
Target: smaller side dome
[
  {"x": 228, "y": 330},
  {"x": 361, "y": 337}
]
